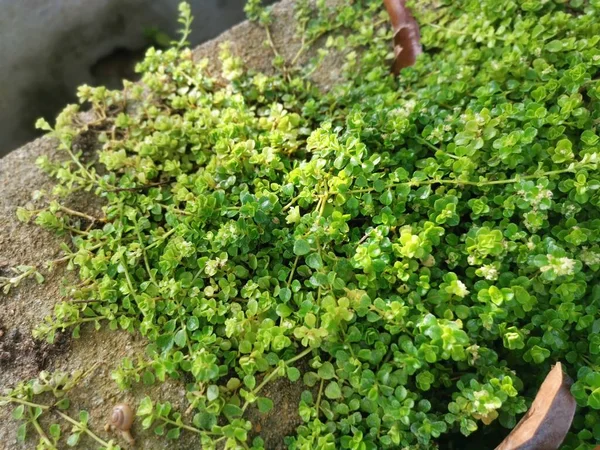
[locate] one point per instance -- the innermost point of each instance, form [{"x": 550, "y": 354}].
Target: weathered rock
[{"x": 22, "y": 358}]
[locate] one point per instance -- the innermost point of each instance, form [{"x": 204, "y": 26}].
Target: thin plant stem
[
  {"x": 271, "y": 43},
  {"x": 481, "y": 183},
  {"x": 289, "y": 281},
  {"x": 23, "y": 402},
  {"x": 319, "y": 396},
  {"x": 72, "y": 212},
  {"x": 145, "y": 256},
  {"x": 126, "y": 272},
  {"x": 83, "y": 428},
  {"x": 274, "y": 373},
  {"x": 40, "y": 431},
  {"x": 433, "y": 147},
  {"x": 161, "y": 239}
]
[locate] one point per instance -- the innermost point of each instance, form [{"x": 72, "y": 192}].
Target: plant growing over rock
[{"x": 427, "y": 245}]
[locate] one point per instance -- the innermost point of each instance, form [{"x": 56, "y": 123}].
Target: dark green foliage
[{"x": 429, "y": 244}]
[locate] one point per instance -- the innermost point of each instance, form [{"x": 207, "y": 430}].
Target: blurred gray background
[{"x": 49, "y": 47}]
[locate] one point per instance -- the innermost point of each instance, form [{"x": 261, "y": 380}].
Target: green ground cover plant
[{"x": 427, "y": 245}]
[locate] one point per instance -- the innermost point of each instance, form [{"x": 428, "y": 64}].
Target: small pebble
[{"x": 14, "y": 335}]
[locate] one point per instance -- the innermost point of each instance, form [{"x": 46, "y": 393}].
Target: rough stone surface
[{"x": 22, "y": 358}]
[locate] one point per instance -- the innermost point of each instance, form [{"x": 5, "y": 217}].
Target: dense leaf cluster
[{"x": 428, "y": 245}]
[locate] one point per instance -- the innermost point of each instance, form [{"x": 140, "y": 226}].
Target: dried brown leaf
[
  {"x": 547, "y": 422},
  {"x": 407, "y": 39}
]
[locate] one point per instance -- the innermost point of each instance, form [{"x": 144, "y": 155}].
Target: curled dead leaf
[
  {"x": 407, "y": 39},
  {"x": 547, "y": 422}
]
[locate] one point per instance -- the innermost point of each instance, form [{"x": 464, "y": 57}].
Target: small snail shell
[{"x": 121, "y": 419}]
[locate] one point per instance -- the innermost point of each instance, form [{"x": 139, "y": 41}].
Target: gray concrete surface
[{"x": 49, "y": 47}]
